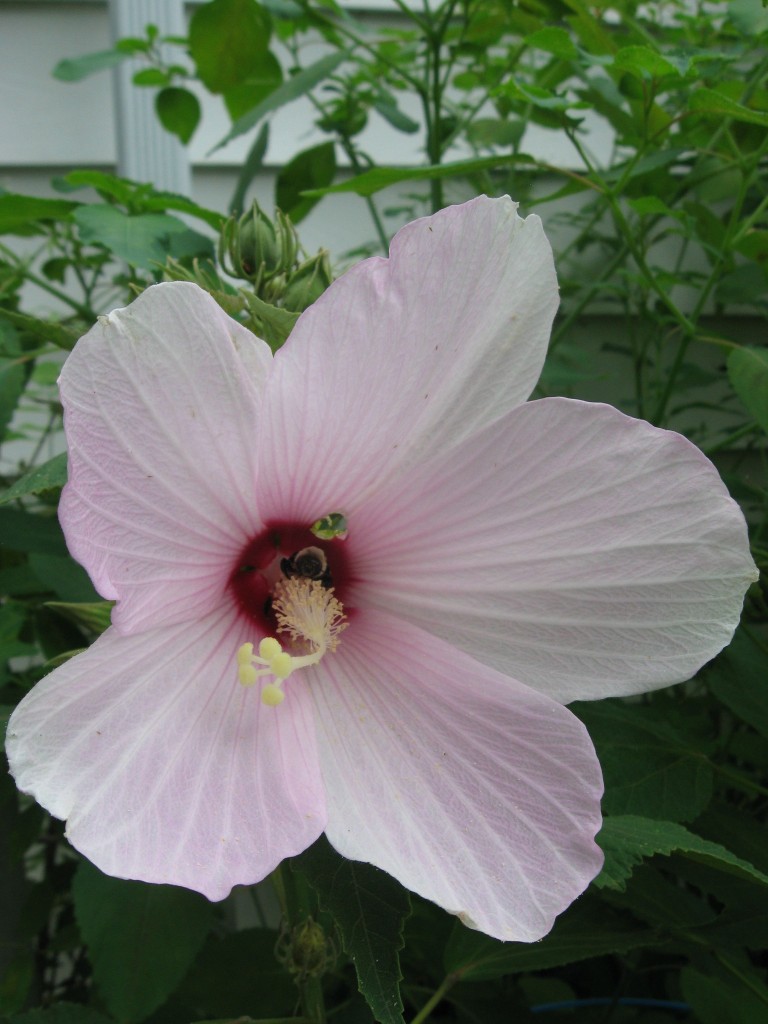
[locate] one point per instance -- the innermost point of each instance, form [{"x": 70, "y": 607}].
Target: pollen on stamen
[{"x": 309, "y": 613}]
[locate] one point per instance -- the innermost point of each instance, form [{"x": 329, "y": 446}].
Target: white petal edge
[
  {"x": 161, "y": 410},
  {"x": 581, "y": 551},
  {"x": 473, "y": 790},
  {"x": 165, "y": 767},
  {"x": 402, "y": 358}
]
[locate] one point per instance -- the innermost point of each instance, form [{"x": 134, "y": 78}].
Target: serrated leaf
[
  {"x": 276, "y": 323},
  {"x": 627, "y": 840},
  {"x": 314, "y": 167},
  {"x": 141, "y": 938},
  {"x": 369, "y": 909},
  {"x": 708, "y": 101},
  {"x": 587, "y": 929},
  {"x": 290, "y": 90},
  {"x": 39, "y": 479},
  {"x": 748, "y": 374},
  {"x": 178, "y": 111},
  {"x": 651, "y": 762},
  {"x": 143, "y": 239}
]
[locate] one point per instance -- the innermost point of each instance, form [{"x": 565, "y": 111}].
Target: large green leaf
[
  {"x": 652, "y": 763},
  {"x": 369, "y": 908},
  {"x": 748, "y": 373},
  {"x": 738, "y": 678},
  {"x": 290, "y": 90},
  {"x": 226, "y": 41},
  {"x": 708, "y": 101},
  {"x": 314, "y": 167},
  {"x": 143, "y": 239},
  {"x": 23, "y": 531},
  {"x": 141, "y": 938},
  {"x": 626, "y": 840},
  {"x": 20, "y": 213},
  {"x": 588, "y": 929},
  {"x": 49, "y": 475},
  {"x": 62, "y": 1013}
]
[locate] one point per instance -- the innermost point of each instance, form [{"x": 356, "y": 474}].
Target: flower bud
[
  {"x": 308, "y": 283},
  {"x": 257, "y": 249}
]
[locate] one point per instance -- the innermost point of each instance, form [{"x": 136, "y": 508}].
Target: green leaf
[
  {"x": 643, "y": 63},
  {"x": 236, "y": 972},
  {"x": 74, "y": 69},
  {"x": 63, "y": 575},
  {"x": 553, "y": 40},
  {"x": 151, "y": 77},
  {"x": 144, "y": 239},
  {"x": 23, "y": 531},
  {"x": 708, "y": 101},
  {"x": 739, "y": 1000},
  {"x": 248, "y": 94},
  {"x": 748, "y": 374},
  {"x": 226, "y": 41},
  {"x": 62, "y": 1013},
  {"x": 626, "y": 840},
  {"x": 95, "y": 616},
  {"x": 178, "y": 111},
  {"x": 141, "y": 938},
  {"x": 250, "y": 168},
  {"x": 369, "y": 908},
  {"x": 378, "y": 178},
  {"x": 276, "y": 323},
  {"x": 19, "y": 214},
  {"x": 393, "y": 115},
  {"x": 737, "y": 678},
  {"x": 290, "y": 90},
  {"x": 314, "y": 167},
  {"x": 651, "y": 763},
  {"x": 13, "y": 378},
  {"x": 131, "y": 194},
  {"x": 587, "y": 929},
  {"x": 50, "y": 475}
]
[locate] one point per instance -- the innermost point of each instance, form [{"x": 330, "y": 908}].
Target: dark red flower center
[{"x": 284, "y": 550}]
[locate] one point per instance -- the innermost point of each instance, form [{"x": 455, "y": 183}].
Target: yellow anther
[
  {"x": 312, "y": 617},
  {"x": 281, "y": 665},
  {"x": 248, "y": 674},
  {"x": 244, "y": 654},
  {"x": 272, "y": 695},
  {"x": 268, "y": 648}
]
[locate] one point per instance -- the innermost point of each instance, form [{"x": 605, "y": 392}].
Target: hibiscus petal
[
  {"x": 167, "y": 769},
  {"x": 161, "y": 407},
  {"x": 584, "y": 552},
  {"x": 401, "y": 358},
  {"x": 473, "y": 790}
]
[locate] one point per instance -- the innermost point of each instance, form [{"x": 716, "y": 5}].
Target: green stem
[
  {"x": 437, "y": 996},
  {"x": 741, "y": 780}
]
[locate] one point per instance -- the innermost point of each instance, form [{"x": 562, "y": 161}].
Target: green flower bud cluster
[{"x": 266, "y": 253}]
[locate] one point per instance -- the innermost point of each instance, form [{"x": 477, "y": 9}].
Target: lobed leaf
[{"x": 369, "y": 909}]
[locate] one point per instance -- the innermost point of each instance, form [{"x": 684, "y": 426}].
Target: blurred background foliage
[{"x": 662, "y": 253}]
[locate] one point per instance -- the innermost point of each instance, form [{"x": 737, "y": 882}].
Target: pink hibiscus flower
[{"x": 405, "y": 687}]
